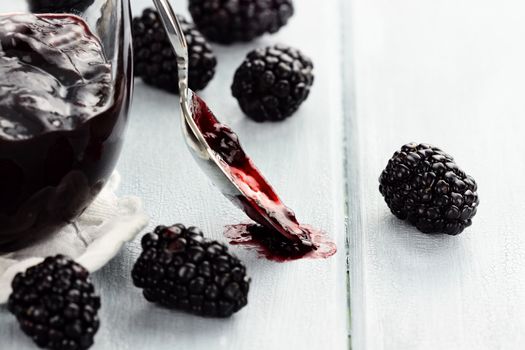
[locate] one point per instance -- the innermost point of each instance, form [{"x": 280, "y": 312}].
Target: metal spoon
[{"x": 209, "y": 161}]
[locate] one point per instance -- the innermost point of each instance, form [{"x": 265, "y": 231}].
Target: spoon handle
[
  {"x": 178, "y": 41},
  {"x": 192, "y": 135}
]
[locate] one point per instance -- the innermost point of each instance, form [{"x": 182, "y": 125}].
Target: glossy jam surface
[
  {"x": 61, "y": 119},
  {"x": 54, "y": 75},
  {"x": 260, "y": 202}
]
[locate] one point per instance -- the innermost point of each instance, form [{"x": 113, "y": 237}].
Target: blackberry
[
  {"x": 229, "y": 21},
  {"x": 59, "y": 6},
  {"x": 272, "y": 83},
  {"x": 55, "y": 304},
  {"x": 423, "y": 184},
  {"x": 155, "y": 60},
  {"x": 180, "y": 269}
]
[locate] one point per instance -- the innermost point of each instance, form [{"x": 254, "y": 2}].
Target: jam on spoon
[{"x": 283, "y": 237}]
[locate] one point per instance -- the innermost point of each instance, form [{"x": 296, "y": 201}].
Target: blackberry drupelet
[
  {"x": 229, "y": 21},
  {"x": 60, "y": 6},
  {"x": 180, "y": 269},
  {"x": 55, "y": 304},
  {"x": 155, "y": 60},
  {"x": 273, "y": 82},
  {"x": 423, "y": 184}
]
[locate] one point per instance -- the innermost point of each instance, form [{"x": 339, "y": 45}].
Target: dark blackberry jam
[
  {"x": 269, "y": 244},
  {"x": 59, "y": 6},
  {"x": 63, "y": 109}
]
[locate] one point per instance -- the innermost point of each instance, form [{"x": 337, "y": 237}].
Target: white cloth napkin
[{"x": 92, "y": 240}]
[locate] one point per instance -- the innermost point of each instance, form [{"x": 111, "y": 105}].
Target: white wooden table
[{"x": 448, "y": 72}]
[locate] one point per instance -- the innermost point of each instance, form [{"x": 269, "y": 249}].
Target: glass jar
[{"x": 61, "y": 123}]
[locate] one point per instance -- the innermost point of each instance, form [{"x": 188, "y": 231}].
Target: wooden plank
[
  {"x": 299, "y": 305},
  {"x": 449, "y": 73}
]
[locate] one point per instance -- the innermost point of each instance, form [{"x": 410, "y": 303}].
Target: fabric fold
[{"x": 92, "y": 240}]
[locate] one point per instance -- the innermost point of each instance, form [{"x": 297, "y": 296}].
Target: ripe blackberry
[
  {"x": 180, "y": 269},
  {"x": 60, "y": 6},
  {"x": 272, "y": 83},
  {"x": 229, "y": 21},
  {"x": 155, "y": 60},
  {"x": 55, "y": 304},
  {"x": 423, "y": 184}
]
